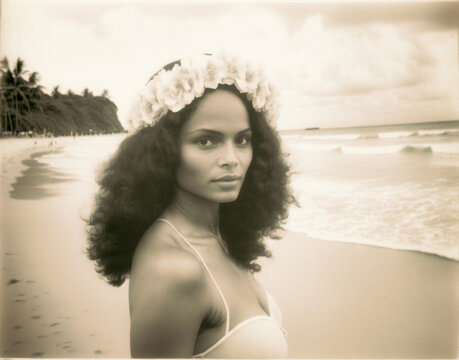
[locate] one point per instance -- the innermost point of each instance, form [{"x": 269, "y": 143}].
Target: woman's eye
[
  {"x": 206, "y": 142},
  {"x": 243, "y": 140}
]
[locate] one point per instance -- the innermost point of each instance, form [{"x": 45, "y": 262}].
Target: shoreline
[
  {"x": 14, "y": 151},
  {"x": 339, "y": 299},
  {"x": 419, "y": 251}
]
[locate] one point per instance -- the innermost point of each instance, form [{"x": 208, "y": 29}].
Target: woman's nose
[{"x": 229, "y": 157}]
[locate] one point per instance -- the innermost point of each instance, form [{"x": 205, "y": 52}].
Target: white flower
[
  {"x": 140, "y": 113},
  {"x": 193, "y": 71},
  {"x": 213, "y": 72},
  {"x": 196, "y": 82},
  {"x": 234, "y": 73},
  {"x": 240, "y": 78},
  {"x": 261, "y": 93},
  {"x": 252, "y": 77}
]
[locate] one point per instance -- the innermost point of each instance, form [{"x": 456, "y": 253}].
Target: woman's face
[{"x": 215, "y": 148}]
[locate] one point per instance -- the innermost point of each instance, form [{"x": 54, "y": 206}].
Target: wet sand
[{"x": 339, "y": 300}]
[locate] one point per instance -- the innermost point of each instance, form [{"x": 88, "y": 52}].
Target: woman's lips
[{"x": 227, "y": 178}]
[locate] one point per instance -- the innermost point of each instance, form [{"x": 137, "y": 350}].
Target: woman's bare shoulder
[
  {"x": 168, "y": 296},
  {"x": 160, "y": 264}
]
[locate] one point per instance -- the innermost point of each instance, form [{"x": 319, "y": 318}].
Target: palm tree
[
  {"x": 56, "y": 93},
  {"x": 86, "y": 93},
  {"x": 35, "y": 91},
  {"x": 14, "y": 88},
  {"x": 5, "y": 113}
]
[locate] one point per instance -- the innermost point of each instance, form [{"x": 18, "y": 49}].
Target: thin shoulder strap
[{"x": 206, "y": 267}]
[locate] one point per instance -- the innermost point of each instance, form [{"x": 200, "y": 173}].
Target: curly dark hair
[{"x": 138, "y": 183}]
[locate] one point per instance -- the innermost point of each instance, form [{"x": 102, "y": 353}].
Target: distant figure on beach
[{"x": 184, "y": 206}]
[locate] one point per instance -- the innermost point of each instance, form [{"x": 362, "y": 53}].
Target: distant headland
[{"x": 26, "y": 110}]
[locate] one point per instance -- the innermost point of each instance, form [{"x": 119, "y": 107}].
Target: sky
[{"x": 334, "y": 64}]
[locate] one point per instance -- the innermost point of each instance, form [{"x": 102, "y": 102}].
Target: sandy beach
[
  {"x": 339, "y": 300},
  {"x": 345, "y": 300},
  {"x": 53, "y": 303}
]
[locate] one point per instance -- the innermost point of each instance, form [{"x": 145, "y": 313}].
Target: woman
[{"x": 184, "y": 206}]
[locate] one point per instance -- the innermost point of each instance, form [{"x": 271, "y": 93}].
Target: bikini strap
[{"x": 206, "y": 267}]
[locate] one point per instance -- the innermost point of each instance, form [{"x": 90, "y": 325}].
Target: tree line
[{"x": 26, "y": 108}]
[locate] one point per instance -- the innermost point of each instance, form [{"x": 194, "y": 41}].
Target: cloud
[
  {"x": 366, "y": 58},
  {"x": 427, "y": 15},
  {"x": 393, "y": 72}
]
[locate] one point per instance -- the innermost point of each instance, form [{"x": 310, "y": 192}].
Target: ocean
[{"x": 395, "y": 186}]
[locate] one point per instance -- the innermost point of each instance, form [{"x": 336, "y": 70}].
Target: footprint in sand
[
  {"x": 35, "y": 317},
  {"x": 17, "y": 342},
  {"x": 97, "y": 352},
  {"x": 17, "y": 327},
  {"x": 41, "y": 336},
  {"x": 19, "y": 301},
  {"x": 35, "y": 354},
  {"x": 13, "y": 281},
  {"x": 54, "y": 324}
]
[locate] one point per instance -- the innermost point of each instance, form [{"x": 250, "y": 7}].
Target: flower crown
[{"x": 171, "y": 89}]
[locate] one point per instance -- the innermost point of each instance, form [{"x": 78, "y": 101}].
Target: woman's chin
[
  {"x": 228, "y": 200},
  {"x": 227, "y": 197}
]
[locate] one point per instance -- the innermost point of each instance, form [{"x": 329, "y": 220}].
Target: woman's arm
[{"x": 167, "y": 302}]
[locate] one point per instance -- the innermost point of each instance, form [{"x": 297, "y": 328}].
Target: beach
[
  {"x": 339, "y": 299},
  {"x": 53, "y": 303},
  {"x": 344, "y": 300}
]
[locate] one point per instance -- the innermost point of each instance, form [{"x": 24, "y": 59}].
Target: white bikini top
[{"x": 256, "y": 337}]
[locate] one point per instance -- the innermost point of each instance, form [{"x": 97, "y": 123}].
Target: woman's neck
[{"x": 201, "y": 213}]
